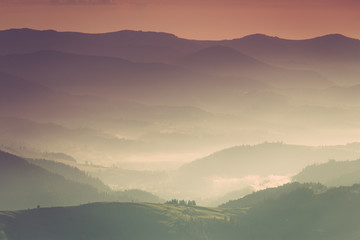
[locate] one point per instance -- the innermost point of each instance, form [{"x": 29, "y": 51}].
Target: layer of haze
[
  {"x": 146, "y": 110},
  {"x": 179, "y": 117},
  {"x": 191, "y": 19}
]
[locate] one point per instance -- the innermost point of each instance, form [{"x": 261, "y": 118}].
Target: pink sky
[{"x": 197, "y": 19}]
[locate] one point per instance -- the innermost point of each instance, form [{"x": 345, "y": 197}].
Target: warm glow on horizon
[{"x": 188, "y": 19}]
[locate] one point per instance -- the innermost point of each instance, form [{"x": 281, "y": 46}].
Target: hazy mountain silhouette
[
  {"x": 132, "y": 45},
  {"x": 24, "y": 152},
  {"x": 233, "y": 195},
  {"x": 90, "y": 94},
  {"x": 15, "y": 89},
  {"x": 223, "y": 60},
  {"x": 118, "y": 78},
  {"x": 28, "y": 99},
  {"x": 258, "y": 166},
  {"x": 266, "y": 158},
  {"x": 24, "y": 185},
  {"x": 154, "y": 46},
  {"x": 332, "y": 173},
  {"x": 332, "y": 47},
  {"x": 54, "y": 137},
  {"x": 335, "y": 56},
  {"x": 25, "y": 98},
  {"x": 69, "y": 172},
  {"x": 344, "y": 95},
  {"x": 221, "y": 56},
  {"x": 271, "y": 194}
]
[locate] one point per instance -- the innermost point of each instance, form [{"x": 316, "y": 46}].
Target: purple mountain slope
[{"x": 225, "y": 61}]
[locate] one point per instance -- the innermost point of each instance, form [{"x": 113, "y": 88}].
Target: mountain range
[
  {"x": 333, "y": 55},
  {"x": 129, "y": 103}
]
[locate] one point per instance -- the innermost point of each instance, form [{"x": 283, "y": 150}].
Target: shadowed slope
[
  {"x": 302, "y": 213},
  {"x": 24, "y": 185},
  {"x": 225, "y": 61}
]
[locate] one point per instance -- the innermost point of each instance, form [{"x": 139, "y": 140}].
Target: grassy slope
[
  {"x": 108, "y": 221},
  {"x": 305, "y": 213}
]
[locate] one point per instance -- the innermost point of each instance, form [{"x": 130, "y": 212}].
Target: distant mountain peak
[
  {"x": 218, "y": 50},
  {"x": 260, "y": 36},
  {"x": 334, "y": 37},
  {"x": 122, "y": 33},
  {"x": 220, "y": 56},
  {"x": 28, "y": 30},
  {"x": 144, "y": 33}
]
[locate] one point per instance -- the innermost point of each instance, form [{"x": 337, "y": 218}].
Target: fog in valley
[{"x": 134, "y": 116}]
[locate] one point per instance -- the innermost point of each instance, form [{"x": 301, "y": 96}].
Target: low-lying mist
[{"x": 212, "y": 119}]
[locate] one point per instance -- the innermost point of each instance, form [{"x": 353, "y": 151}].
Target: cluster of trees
[{"x": 181, "y": 202}]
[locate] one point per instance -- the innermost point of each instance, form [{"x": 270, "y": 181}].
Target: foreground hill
[
  {"x": 307, "y": 212},
  {"x": 271, "y": 194},
  {"x": 108, "y": 221},
  {"x": 300, "y": 214},
  {"x": 24, "y": 185}
]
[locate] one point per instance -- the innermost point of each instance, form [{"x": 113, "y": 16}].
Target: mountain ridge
[{"x": 259, "y": 35}]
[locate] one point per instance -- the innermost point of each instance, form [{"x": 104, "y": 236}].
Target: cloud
[{"x": 223, "y": 185}]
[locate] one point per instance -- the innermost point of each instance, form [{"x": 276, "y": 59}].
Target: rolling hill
[
  {"x": 24, "y": 185},
  {"x": 120, "y": 79},
  {"x": 226, "y": 61},
  {"x": 70, "y": 173},
  {"x": 271, "y": 194},
  {"x": 299, "y": 214},
  {"x": 306, "y": 212},
  {"x": 332, "y": 174},
  {"x": 277, "y": 158},
  {"x": 109, "y": 221},
  {"x": 259, "y": 166}
]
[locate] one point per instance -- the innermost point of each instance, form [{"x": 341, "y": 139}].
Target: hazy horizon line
[{"x": 177, "y": 36}]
